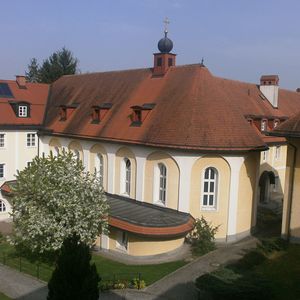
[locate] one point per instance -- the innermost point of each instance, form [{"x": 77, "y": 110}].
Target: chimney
[
  {"x": 21, "y": 81},
  {"x": 269, "y": 87},
  {"x": 164, "y": 59}
]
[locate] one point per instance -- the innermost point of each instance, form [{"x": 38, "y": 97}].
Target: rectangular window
[
  {"x": 263, "y": 125},
  {"x": 1, "y": 171},
  {"x": 31, "y": 140},
  {"x": 22, "y": 111},
  {"x": 277, "y": 152},
  {"x": 265, "y": 155},
  {"x": 2, "y": 140},
  {"x": 209, "y": 198},
  {"x": 170, "y": 62},
  {"x": 159, "y": 61}
]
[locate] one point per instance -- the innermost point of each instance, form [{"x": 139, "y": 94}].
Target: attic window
[
  {"x": 137, "y": 117},
  {"x": 263, "y": 125},
  {"x": 250, "y": 121},
  {"x": 99, "y": 112},
  {"x": 140, "y": 113},
  {"x": 23, "y": 111},
  {"x": 62, "y": 113},
  {"x": 276, "y": 123}
]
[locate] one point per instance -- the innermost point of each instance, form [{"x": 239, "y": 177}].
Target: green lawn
[
  {"x": 269, "y": 272},
  {"x": 283, "y": 271},
  {"x": 3, "y": 297},
  {"x": 107, "y": 269}
]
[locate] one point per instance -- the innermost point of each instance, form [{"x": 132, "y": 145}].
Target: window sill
[
  {"x": 159, "y": 203},
  {"x": 212, "y": 209}
]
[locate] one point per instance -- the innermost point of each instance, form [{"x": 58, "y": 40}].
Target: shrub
[
  {"x": 250, "y": 259},
  {"x": 202, "y": 238},
  {"x": 138, "y": 284},
  {"x": 270, "y": 245}
]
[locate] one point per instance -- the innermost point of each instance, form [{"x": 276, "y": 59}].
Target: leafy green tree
[
  {"x": 61, "y": 62},
  {"x": 33, "y": 73},
  {"x": 54, "y": 199},
  {"x": 74, "y": 277}
]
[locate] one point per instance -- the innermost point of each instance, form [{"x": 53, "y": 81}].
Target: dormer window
[
  {"x": 276, "y": 123},
  {"x": 22, "y": 112},
  {"x": 99, "y": 111},
  {"x": 140, "y": 113},
  {"x": 263, "y": 125},
  {"x": 62, "y": 113}
]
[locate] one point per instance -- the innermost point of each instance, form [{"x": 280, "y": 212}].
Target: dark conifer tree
[
  {"x": 59, "y": 63},
  {"x": 74, "y": 277}
]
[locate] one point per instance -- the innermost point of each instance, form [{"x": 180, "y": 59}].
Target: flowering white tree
[{"x": 55, "y": 199}]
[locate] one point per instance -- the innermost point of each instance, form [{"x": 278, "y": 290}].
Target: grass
[
  {"x": 4, "y": 297},
  {"x": 272, "y": 271},
  {"x": 107, "y": 268}
]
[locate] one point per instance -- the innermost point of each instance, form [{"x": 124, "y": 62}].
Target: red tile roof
[
  {"x": 290, "y": 128},
  {"x": 35, "y": 93},
  {"x": 194, "y": 109}
]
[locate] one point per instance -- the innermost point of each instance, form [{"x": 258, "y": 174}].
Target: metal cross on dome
[{"x": 167, "y": 22}]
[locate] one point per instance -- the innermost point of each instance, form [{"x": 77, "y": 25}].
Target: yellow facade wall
[
  {"x": 219, "y": 216},
  {"x": 292, "y": 207},
  {"x": 172, "y": 179},
  {"x": 140, "y": 246},
  {"x": 120, "y": 155},
  {"x": 246, "y": 196},
  {"x": 143, "y": 246}
]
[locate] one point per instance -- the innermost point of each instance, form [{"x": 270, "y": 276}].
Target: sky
[{"x": 238, "y": 39}]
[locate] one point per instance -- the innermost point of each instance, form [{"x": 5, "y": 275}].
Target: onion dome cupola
[
  {"x": 165, "y": 45},
  {"x": 164, "y": 59}
]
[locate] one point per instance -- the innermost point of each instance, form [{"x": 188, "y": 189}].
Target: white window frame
[
  {"x": 126, "y": 177},
  {"x": 31, "y": 140},
  {"x": 263, "y": 125},
  {"x": 162, "y": 192},
  {"x": 23, "y": 111},
  {"x": 2, "y": 140},
  {"x": 265, "y": 155},
  {"x": 99, "y": 167},
  {"x": 158, "y": 189},
  {"x": 277, "y": 152},
  {"x": 3, "y": 207},
  {"x": 208, "y": 193},
  {"x": 2, "y": 166}
]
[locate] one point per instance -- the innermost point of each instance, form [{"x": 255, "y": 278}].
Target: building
[
  {"x": 171, "y": 144},
  {"x": 22, "y": 107},
  {"x": 291, "y": 210}
]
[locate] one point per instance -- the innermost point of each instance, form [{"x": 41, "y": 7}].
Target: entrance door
[{"x": 122, "y": 240}]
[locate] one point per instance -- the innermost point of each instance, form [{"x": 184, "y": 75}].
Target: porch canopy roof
[
  {"x": 147, "y": 219},
  {"x": 138, "y": 217}
]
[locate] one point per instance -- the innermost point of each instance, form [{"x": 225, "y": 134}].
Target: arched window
[
  {"x": 2, "y": 206},
  {"x": 128, "y": 176},
  {"x": 99, "y": 167},
  {"x": 76, "y": 154},
  {"x": 162, "y": 183},
  {"x": 210, "y": 188}
]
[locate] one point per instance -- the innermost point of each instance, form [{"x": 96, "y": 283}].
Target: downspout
[{"x": 292, "y": 191}]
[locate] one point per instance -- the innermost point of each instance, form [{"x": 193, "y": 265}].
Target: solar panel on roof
[{"x": 5, "y": 91}]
